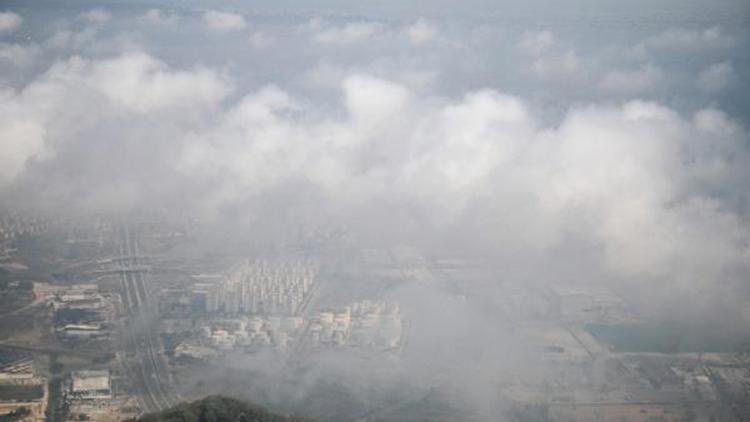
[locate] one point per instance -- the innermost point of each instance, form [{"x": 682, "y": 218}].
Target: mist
[{"x": 599, "y": 146}]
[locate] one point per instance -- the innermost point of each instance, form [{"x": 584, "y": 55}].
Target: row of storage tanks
[
  {"x": 256, "y": 331},
  {"x": 364, "y": 323}
]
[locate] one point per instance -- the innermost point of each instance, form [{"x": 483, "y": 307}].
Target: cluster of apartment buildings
[
  {"x": 14, "y": 225},
  {"x": 263, "y": 288}
]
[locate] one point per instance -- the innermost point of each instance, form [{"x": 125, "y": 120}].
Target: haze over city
[{"x": 375, "y": 211}]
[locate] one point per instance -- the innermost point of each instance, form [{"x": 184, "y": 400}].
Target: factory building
[
  {"x": 263, "y": 288},
  {"x": 81, "y": 331},
  {"x": 23, "y": 395},
  {"x": 80, "y": 312},
  {"x": 16, "y": 366},
  {"x": 90, "y": 385},
  {"x": 23, "y": 399}
]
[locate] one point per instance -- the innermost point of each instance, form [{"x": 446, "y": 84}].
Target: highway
[{"x": 143, "y": 362}]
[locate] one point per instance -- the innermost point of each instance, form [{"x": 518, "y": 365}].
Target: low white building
[
  {"x": 91, "y": 385},
  {"x": 82, "y": 330}
]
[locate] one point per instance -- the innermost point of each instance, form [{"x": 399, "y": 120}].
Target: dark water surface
[{"x": 670, "y": 337}]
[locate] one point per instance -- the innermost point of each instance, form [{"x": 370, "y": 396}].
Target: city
[{"x": 119, "y": 330}]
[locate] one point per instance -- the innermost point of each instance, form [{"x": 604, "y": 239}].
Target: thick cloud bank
[{"x": 629, "y": 146}]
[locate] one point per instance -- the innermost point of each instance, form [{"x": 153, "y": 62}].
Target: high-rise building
[{"x": 263, "y": 287}]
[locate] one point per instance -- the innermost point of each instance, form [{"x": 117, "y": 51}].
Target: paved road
[
  {"x": 54, "y": 350},
  {"x": 144, "y": 362}
]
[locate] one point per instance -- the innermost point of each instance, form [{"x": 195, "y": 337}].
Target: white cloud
[
  {"x": 371, "y": 100},
  {"x": 633, "y": 82},
  {"x": 349, "y": 32},
  {"x": 715, "y": 121},
  {"x": 142, "y": 83},
  {"x": 259, "y": 39},
  {"x": 548, "y": 60},
  {"x": 556, "y": 65},
  {"x": 19, "y": 55},
  {"x": 716, "y": 77},
  {"x": 460, "y": 145},
  {"x": 421, "y": 32},
  {"x": 325, "y": 76},
  {"x": 536, "y": 42},
  {"x": 642, "y": 183},
  {"x": 631, "y": 170},
  {"x": 9, "y": 21},
  {"x": 66, "y": 38},
  {"x": 97, "y": 15},
  {"x": 632, "y": 178},
  {"x": 159, "y": 17},
  {"x": 628, "y": 167},
  {"x": 254, "y": 145},
  {"x": 21, "y": 137},
  {"x": 679, "y": 39},
  {"x": 74, "y": 93},
  {"x": 224, "y": 21}
]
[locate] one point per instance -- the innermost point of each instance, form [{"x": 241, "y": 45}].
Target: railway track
[{"x": 144, "y": 362}]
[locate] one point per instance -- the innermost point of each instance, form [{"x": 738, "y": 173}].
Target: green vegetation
[
  {"x": 172, "y": 340},
  {"x": 16, "y": 415},
  {"x": 670, "y": 337},
  {"x": 14, "y": 293},
  {"x": 218, "y": 409},
  {"x": 56, "y": 407},
  {"x": 21, "y": 392},
  {"x": 14, "y": 325},
  {"x": 5, "y": 278},
  {"x": 74, "y": 316}
]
